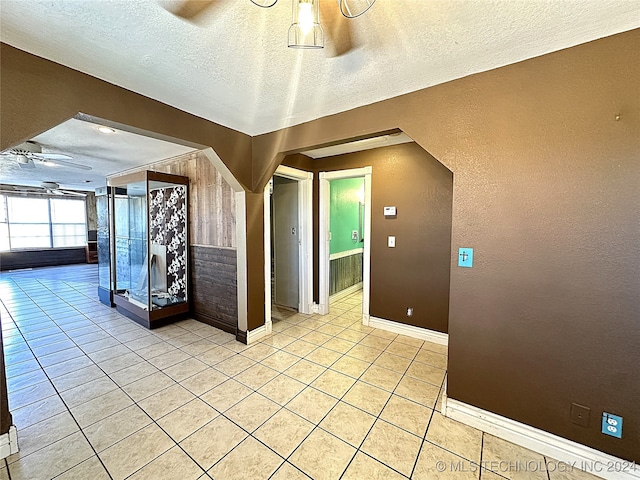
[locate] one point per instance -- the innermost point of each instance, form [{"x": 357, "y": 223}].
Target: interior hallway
[{"x": 95, "y": 396}]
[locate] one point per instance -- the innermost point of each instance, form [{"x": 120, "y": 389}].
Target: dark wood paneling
[
  {"x": 214, "y": 287},
  {"x": 42, "y": 258},
  {"x": 344, "y": 272}
]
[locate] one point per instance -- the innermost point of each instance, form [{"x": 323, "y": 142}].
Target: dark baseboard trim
[
  {"x": 241, "y": 337},
  {"x": 214, "y": 322}
]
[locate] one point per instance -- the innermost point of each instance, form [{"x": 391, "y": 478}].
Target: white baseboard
[
  {"x": 9, "y": 442},
  {"x": 254, "y": 335},
  {"x": 408, "y": 330},
  {"x": 347, "y": 291},
  {"x": 321, "y": 308},
  {"x": 571, "y": 453}
]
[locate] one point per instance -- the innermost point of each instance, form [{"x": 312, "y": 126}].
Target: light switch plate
[
  {"x": 465, "y": 257},
  {"x": 391, "y": 242}
]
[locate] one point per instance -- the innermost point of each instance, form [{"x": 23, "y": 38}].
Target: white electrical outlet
[
  {"x": 410, "y": 312},
  {"x": 391, "y": 242}
]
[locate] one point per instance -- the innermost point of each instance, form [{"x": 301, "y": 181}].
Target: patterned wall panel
[{"x": 168, "y": 227}]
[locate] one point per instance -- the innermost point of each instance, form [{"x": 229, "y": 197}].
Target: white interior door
[{"x": 286, "y": 242}]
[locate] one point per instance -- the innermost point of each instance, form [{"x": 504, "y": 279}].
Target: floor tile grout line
[
  {"x": 82, "y": 430},
  {"x": 341, "y": 356},
  {"x": 426, "y": 431},
  {"x": 134, "y": 403},
  {"x": 70, "y": 413}
]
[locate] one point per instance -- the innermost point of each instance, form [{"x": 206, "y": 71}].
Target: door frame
[
  {"x": 305, "y": 244},
  {"x": 324, "y": 230}
]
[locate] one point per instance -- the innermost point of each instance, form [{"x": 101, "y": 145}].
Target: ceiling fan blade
[
  {"x": 337, "y": 28},
  {"x": 69, "y": 193},
  {"x": 191, "y": 9},
  {"x": 54, "y": 156},
  {"x": 64, "y": 163}
]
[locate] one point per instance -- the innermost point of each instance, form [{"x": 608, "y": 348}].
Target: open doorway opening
[
  {"x": 288, "y": 243},
  {"x": 346, "y": 242},
  {"x": 345, "y": 225}
]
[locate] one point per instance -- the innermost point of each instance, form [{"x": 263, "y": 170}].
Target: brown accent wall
[
  {"x": 416, "y": 272},
  {"x": 255, "y": 260},
  {"x": 546, "y": 191}
]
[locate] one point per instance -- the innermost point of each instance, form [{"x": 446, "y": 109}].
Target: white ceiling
[
  {"x": 106, "y": 154},
  {"x": 233, "y": 66}
]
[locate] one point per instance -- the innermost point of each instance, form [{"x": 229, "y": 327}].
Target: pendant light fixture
[{"x": 305, "y": 30}]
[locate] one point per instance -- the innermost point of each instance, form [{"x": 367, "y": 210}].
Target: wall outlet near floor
[
  {"x": 410, "y": 312},
  {"x": 580, "y": 414},
  {"x": 354, "y": 235},
  {"x": 611, "y": 424}
]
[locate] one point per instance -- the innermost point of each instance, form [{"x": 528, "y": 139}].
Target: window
[
  {"x": 4, "y": 225},
  {"x": 28, "y": 223},
  {"x": 68, "y": 225}
]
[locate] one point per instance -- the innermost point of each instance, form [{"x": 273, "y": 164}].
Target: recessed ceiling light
[{"x": 103, "y": 129}]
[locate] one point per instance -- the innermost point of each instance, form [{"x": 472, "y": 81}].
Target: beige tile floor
[{"x": 95, "y": 396}]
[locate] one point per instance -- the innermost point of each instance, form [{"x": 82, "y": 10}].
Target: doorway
[
  {"x": 288, "y": 242},
  {"x": 285, "y": 258},
  {"x": 338, "y": 253}
]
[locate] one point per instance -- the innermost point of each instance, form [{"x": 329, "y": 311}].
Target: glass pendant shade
[
  {"x": 355, "y": 8},
  {"x": 305, "y": 30},
  {"x": 264, "y": 3}
]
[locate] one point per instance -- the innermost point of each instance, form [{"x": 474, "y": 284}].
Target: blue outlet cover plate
[
  {"x": 611, "y": 425},
  {"x": 465, "y": 257}
]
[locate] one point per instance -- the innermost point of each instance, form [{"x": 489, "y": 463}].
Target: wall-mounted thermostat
[{"x": 389, "y": 211}]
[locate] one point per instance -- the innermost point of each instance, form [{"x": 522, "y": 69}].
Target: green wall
[{"x": 344, "y": 215}]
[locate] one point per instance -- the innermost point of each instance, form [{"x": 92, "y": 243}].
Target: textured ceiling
[
  {"x": 106, "y": 154},
  {"x": 233, "y": 66}
]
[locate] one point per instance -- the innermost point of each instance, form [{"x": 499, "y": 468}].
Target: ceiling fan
[
  {"x": 305, "y": 31},
  {"x": 46, "y": 188},
  {"x": 31, "y": 153}
]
